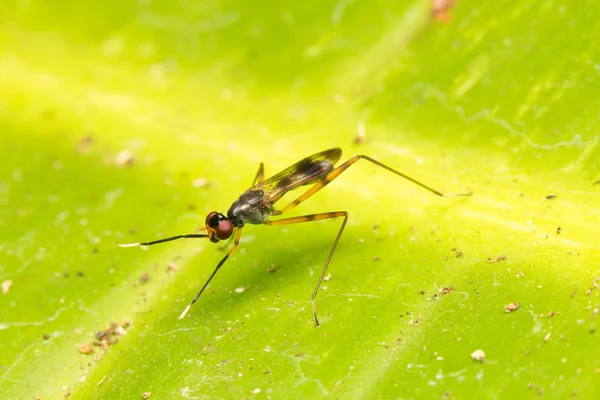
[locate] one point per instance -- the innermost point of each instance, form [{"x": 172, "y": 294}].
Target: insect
[{"x": 257, "y": 204}]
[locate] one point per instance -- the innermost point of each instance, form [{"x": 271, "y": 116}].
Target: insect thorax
[{"x": 248, "y": 209}]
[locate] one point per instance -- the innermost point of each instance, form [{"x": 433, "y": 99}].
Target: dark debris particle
[
  {"x": 80, "y": 274},
  {"x": 111, "y": 335},
  {"x": 558, "y": 230},
  {"x": 446, "y": 290},
  {"x": 550, "y": 197},
  {"x": 46, "y": 336}
]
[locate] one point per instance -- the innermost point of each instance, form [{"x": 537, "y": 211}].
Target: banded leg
[
  {"x": 238, "y": 235},
  {"x": 337, "y": 171},
  {"x": 317, "y": 217},
  {"x": 260, "y": 175},
  {"x": 188, "y": 236}
]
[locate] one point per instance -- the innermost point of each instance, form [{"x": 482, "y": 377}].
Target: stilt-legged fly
[{"x": 257, "y": 204}]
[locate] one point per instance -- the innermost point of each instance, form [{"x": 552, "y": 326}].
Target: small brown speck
[
  {"x": 458, "y": 254},
  {"x": 85, "y": 348},
  {"x": 85, "y": 143},
  {"x": 375, "y": 258},
  {"x": 422, "y": 292},
  {"x": 550, "y": 197},
  {"x": 146, "y": 395},
  {"x": 558, "y": 230},
  {"x": 46, "y": 336},
  {"x": 446, "y": 290},
  {"x": 497, "y": 259},
  {"x": 478, "y": 355},
  {"x": 144, "y": 278},
  {"x": 66, "y": 391},
  {"x": 440, "y": 10},
  {"x": 267, "y": 371},
  {"x": 573, "y": 293},
  {"x": 511, "y": 307},
  {"x": 550, "y": 314}
]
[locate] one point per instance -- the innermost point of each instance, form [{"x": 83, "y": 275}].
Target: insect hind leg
[
  {"x": 337, "y": 171},
  {"x": 317, "y": 217}
]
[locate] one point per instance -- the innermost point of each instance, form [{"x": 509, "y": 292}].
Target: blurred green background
[{"x": 496, "y": 98}]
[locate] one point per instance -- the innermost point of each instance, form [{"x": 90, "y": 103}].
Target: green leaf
[{"x": 500, "y": 100}]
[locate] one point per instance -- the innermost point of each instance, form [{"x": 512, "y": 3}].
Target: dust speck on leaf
[
  {"x": 511, "y": 307},
  {"x": 144, "y": 278},
  {"x": 124, "y": 159},
  {"x": 146, "y": 395},
  {"x": 85, "y": 348},
  {"x": 497, "y": 259},
  {"x": 102, "y": 380},
  {"x": 172, "y": 267},
  {"x": 478, "y": 355},
  {"x": 446, "y": 290},
  {"x": 6, "y": 285}
]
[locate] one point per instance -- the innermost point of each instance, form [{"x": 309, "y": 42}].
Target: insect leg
[
  {"x": 238, "y": 234},
  {"x": 260, "y": 175},
  {"x": 317, "y": 217},
  {"x": 337, "y": 171},
  {"x": 188, "y": 236}
]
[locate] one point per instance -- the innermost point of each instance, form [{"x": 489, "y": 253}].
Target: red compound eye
[
  {"x": 224, "y": 229},
  {"x": 220, "y": 225}
]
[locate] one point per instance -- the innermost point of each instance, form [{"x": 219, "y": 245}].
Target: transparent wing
[{"x": 304, "y": 172}]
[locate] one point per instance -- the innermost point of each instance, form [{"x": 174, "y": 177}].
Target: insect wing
[{"x": 304, "y": 172}]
